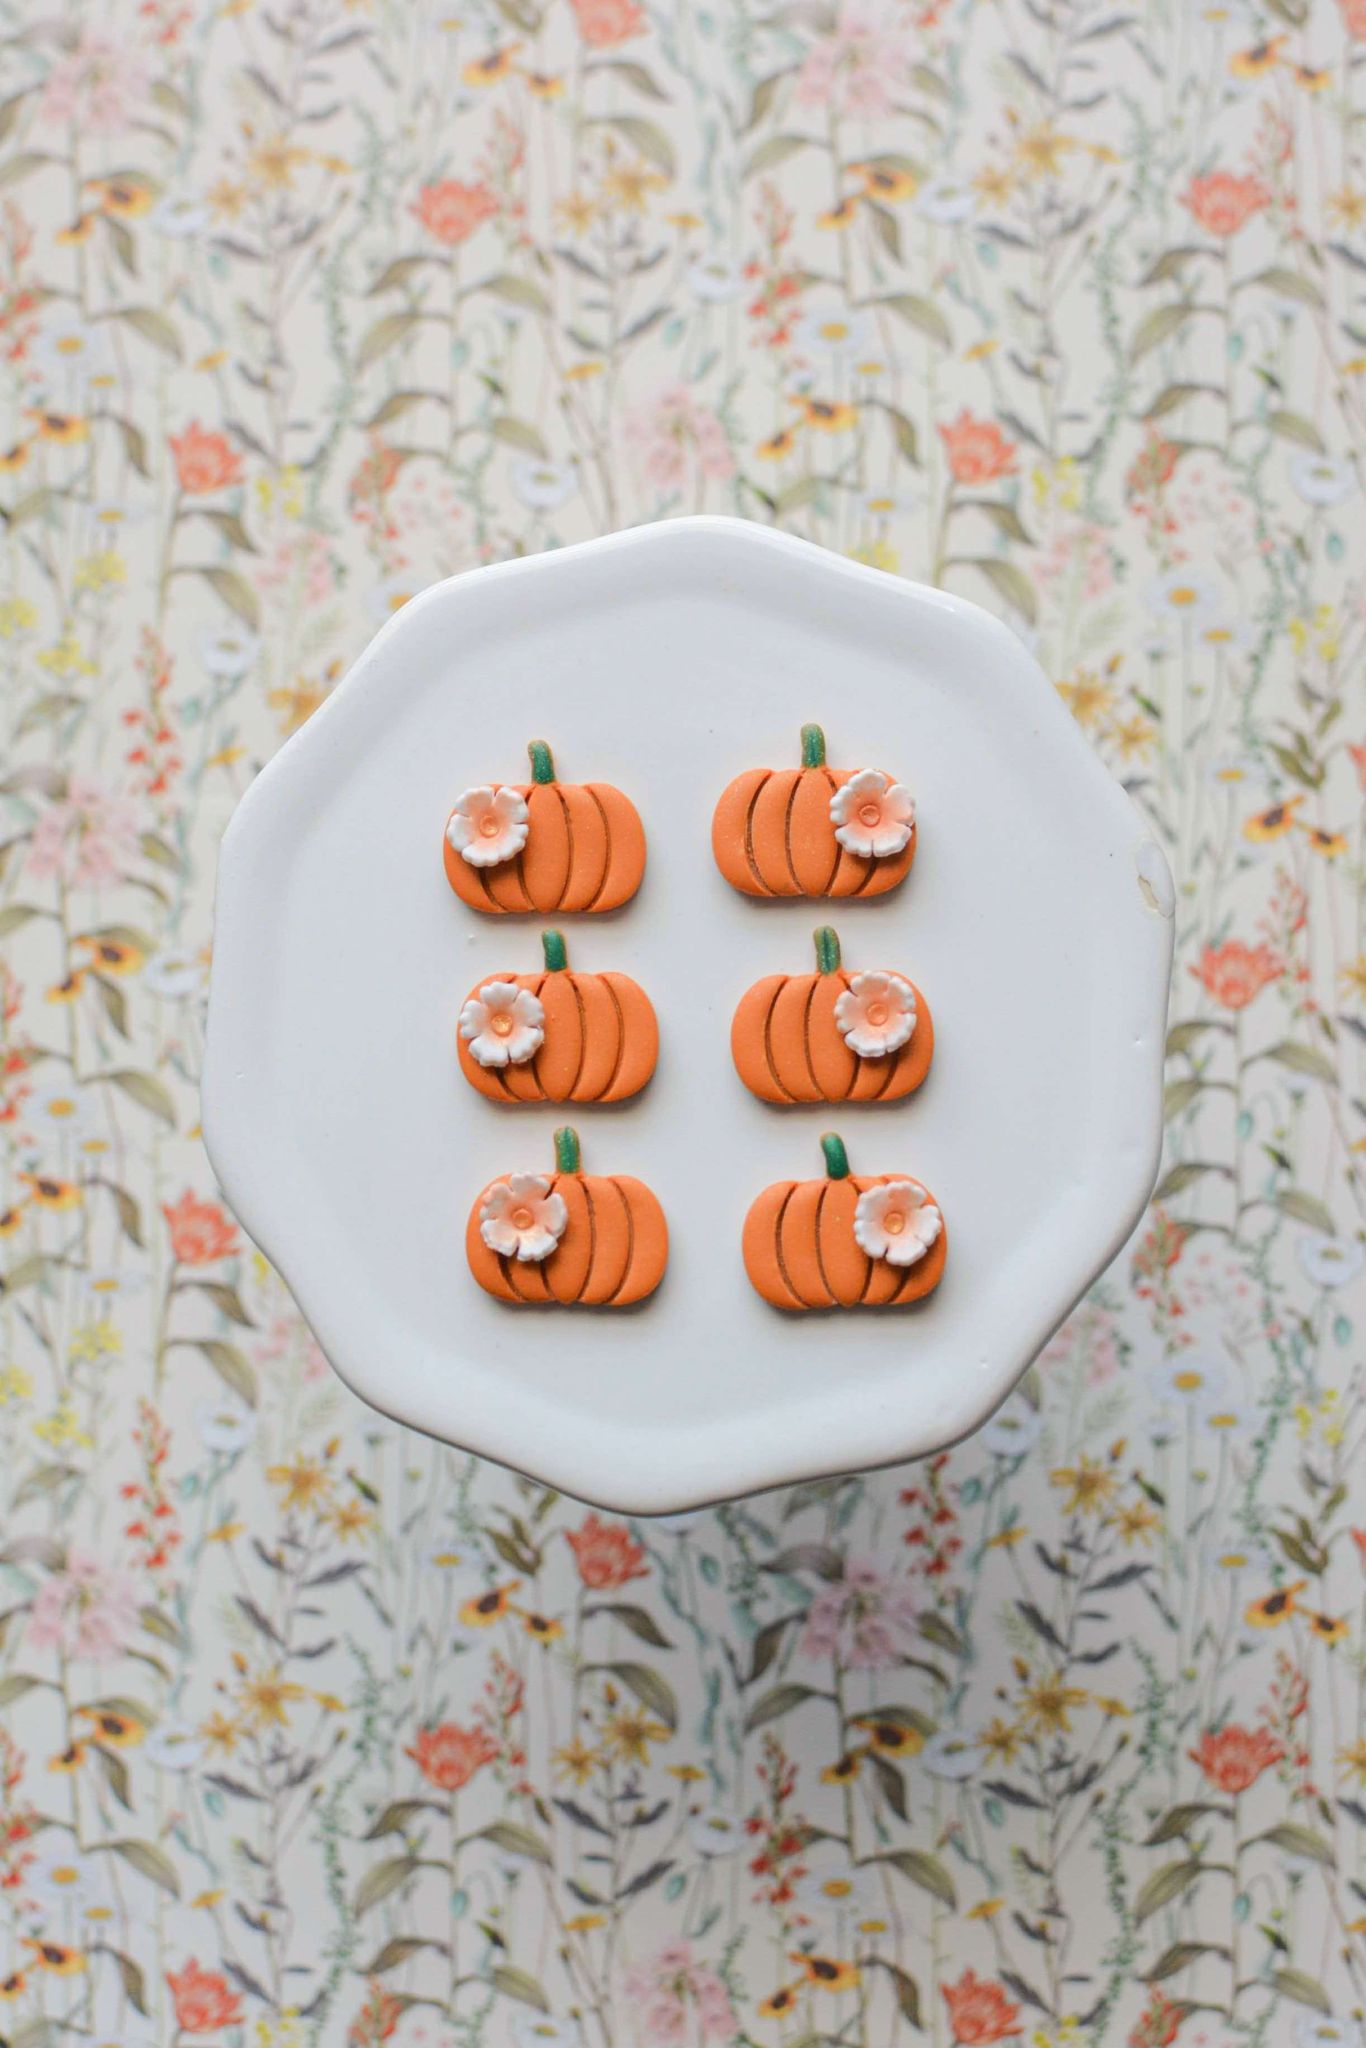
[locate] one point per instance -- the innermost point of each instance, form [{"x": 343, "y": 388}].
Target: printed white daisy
[
  {"x": 952, "y": 1755},
  {"x": 63, "y": 1877},
  {"x": 174, "y": 1746},
  {"x": 488, "y": 825},
  {"x": 896, "y": 1221},
  {"x": 520, "y": 1218},
  {"x": 544, "y": 486},
  {"x": 872, "y": 815},
  {"x": 226, "y": 1425},
  {"x": 228, "y": 651},
  {"x": 876, "y": 1014},
  {"x": 714, "y": 281},
  {"x": 1329, "y": 1261},
  {"x": 715, "y": 1831},
  {"x": 503, "y": 1025},
  {"x": 1322, "y": 479}
]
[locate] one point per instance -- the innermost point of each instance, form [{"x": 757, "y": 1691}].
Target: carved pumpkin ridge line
[
  {"x": 787, "y": 833},
  {"x": 577, "y": 994},
  {"x": 790, "y": 1284},
  {"x": 869, "y": 1265},
  {"x": 820, "y": 1254},
  {"x": 629, "y": 1215},
  {"x": 592, "y": 1242},
  {"x": 605, "y": 1094},
  {"x": 594, "y": 798},
  {"x": 754, "y": 868},
  {"x": 784, "y": 1092},
  {"x": 833, "y": 783},
  {"x": 806, "y": 1036}
]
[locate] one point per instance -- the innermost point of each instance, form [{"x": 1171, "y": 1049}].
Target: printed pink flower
[
  {"x": 1222, "y": 203},
  {"x": 678, "y": 437},
  {"x": 503, "y": 1025},
  {"x": 872, "y": 815},
  {"x": 854, "y": 69},
  {"x": 866, "y": 1619},
  {"x": 605, "y": 23},
  {"x": 896, "y": 1221},
  {"x": 519, "y": 1218},
  {"x": 1354, "y": 18},
  {"x": 86, "y": 1611},
  {"x": 679, "y": 1999},
  {"x": 87, "y": 837},
  {"x": 488, "y": 825},
  {"x": 876, "y": 1014},
  {"x": 99, "y": 85},
  {"x": 451, "y": 211}
]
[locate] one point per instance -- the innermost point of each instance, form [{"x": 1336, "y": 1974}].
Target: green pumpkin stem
[
  {"x": 542, "y": 762},
  {"x": 836, "y": 1158},
  {"x": 827, "y": 950},
  {"x": 813, "y": 747},
  {"x": 553, "y": 947},
  {"x": 566, "y": 1150}
]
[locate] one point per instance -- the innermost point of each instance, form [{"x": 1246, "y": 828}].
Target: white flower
[
  {"x": 845, "y": 336},
  {"x": 834, "y": 1885},
  {"x": 539, "y": 2030},
  {"x": 946, "y": 201},
  {"x": 951, "y": 1755},
  {"x": 488, "y": 825},
  {"x": 519, "y": 1218},
  {"x": 503, "y": 1025},
  {"x": 1190, "y": 1376},
  {"x": 1330, "y": 1261},
  {"x": 63, "y": 1876},
  {"x": 544, "y": 486},
  {"x": 1180, "y": 596},
  {"x": 1014, "y": 1429},
  {"x": 174, "y": 1746},
  {"x": 226, "y": 1424},
  {"x": 716, "y": 1831},
  {"x": 1313, "y": 2030},
  {"x": 873, "y": 815},
  {"x": 716, "y": 281},
  {"x": 1322, "y": 479},
  {"x": 70, "y": 349},
  {"x": 180, "y": 220},
  {"x": 1224, "y": 1421},
  {"x": 62, "y": 1111},
  {"x": 228, "y": 651},
  {"x": 896, "y": 1221},
  {"x": 175, "y": 974},
  {"x": 875, "y": 1015}
]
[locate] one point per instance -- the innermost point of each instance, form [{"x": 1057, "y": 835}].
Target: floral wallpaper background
[{"x": 315, "y": 1732}]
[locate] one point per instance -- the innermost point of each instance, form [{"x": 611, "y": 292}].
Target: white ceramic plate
[{"x": 1037, "y": 921}]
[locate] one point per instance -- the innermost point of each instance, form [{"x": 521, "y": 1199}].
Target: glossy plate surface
[{"x": 1037, "y": 920}]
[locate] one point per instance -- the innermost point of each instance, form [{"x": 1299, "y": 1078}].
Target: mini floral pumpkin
[
  {"x": 595, "y": 1240},
  {"x": 874, "y": 1241},
  {"x": 544, "y": 845},
  {"x": 814, "y": 830},
  {"x": 558, "y": 1035},
  {"x": 832, "y": 1036}
]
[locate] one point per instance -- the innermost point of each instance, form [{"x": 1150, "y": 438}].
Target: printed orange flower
[
  {"x": 1233, "y": 1758},
  {"x": 204, "y": 2000},
  {"x": 448, "y": 1756},
  {"x": 203, "y": 461},
  {"x": 451, "y": 211},
  {"x": 977, "y": 451},
  {"x": 1273, "y": 1608},
  {"x": 605, "y": 23},
  {"x": 56, "y": 1956},
  {"x": 1221, "y": 203},
  {"x": 828, "y": 1973},
  {"x": 200, "y": 1232},
  {"x": 1354, "y": 18},
  {"x": 1234, "y": 973},
  {"x": 483, "y": 1609},
  {"x": 778, "y": 2002},
  {"x": 979, "y": 2011},
  {"x": 606, "y": 1554},
  {"x": 1274, "y": 822}
]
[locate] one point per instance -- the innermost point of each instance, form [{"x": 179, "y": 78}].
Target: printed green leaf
[
  {"x": 385, "y": 1878},
  {"x": 1158, "y": 326},
  {"x": 1180, "y": 1956},
  {"x": 634, "y": 75},
  {"x": 226, "y": 1300},
  {"x": 398, "y": 1815},
  {"x": 906, "y": 1989},
  {"x": 155, "y": 327},
  {"x": 781, "y": 1700},
  {"x": 1298, "y": 1840},
  {"x": 515, "y": 1840},
  {"x": 1178, "y": 1820},
  {"x": 638, "y": 1620},
  {"x": 1012, "y": 584},
  {"x": 236, "y": 593},
  {"x": 1165, "y": 1885},
  {"x": 1306, "y": 1208},
  {"x": 146, "y": 1090},
  {"x": 149, "y": 1861},
  {"x": 649, "y": 1688},
  {"x": 1293, "y": 426},
  {"x": 774, "y": 151},
  {"x": 516, "y": 433},
  {"x": 233, "y": 1367},
  {"x": 920, "y": 313},
  {"x": 520, "y": 1985},
  {"x": 517, "y": 291},
  {"x": 386, "y": 333},
  {"x": 1303, "y": 1059},
  {"x": 1289, "y": 285},
  {"x": 651, "y": 141},
  {"x": 925, "y": 1870},
  {"x": 1302, "y": 1989},
  {"x": 400, "y": 1949}
]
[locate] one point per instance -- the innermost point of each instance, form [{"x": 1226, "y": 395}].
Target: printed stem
[
  {"x": 556, "y": 956},
  {"x": 827, "y": 950},
  {"x": 813, "y": 747},
  {"x": 566, "y": 1150},
  {"x": 542, "y": 765},
  {"x": 836, "y": 1158}
]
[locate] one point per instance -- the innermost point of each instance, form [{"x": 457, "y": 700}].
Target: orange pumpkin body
[
  {"x": 601, "y": 1039},
  {"x": 584, "y": 851},
  {"x": 772, "y": 835},
  {"x": 800, "y": 1251},
  {"x": 787, "y": 1046},
  {"x": 612, "y": 1252}
]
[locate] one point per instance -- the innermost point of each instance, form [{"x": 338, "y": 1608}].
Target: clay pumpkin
[
  {"x": 557, "y": 1036},
  {"x": 775, "y": 832},
  {"x": 832, "y": 1036},
  {"x": 591, "y": 1240},
  {"x": 543, "y": 845},
  {"x": 848, "y": 1241}
]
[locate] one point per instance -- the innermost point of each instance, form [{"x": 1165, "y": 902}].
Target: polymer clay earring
[
  {"x": 543, "y": 845},
  {"x": 847, "y": 1241},
  {"x": 558, "y": 1035},
  {"x": 572, "y": 1238},
  {"x": 832, "y": 1036},
  {"x": 814, "y": 830}
]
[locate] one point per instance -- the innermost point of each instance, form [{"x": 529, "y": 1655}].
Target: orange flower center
[
  {"x": 877, "y": 1013},
  {"x": 522, "y": 1218},
  {"x": 502, "y": 1024},
  {"x": 488, "y": 825},
  {"x": 894, "y": 1223},
  {"x": 870, "y": 813}
]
